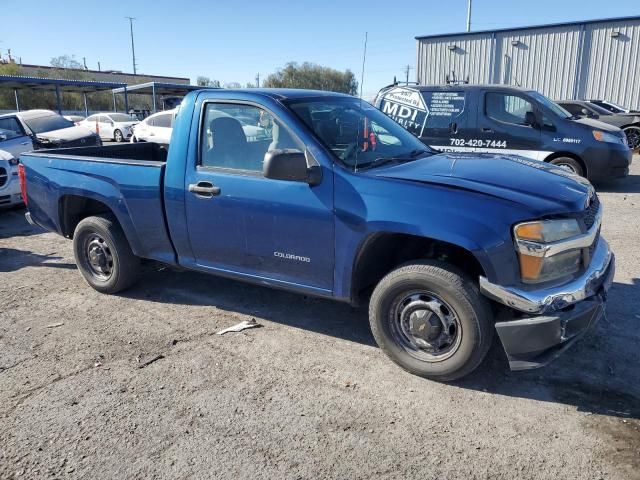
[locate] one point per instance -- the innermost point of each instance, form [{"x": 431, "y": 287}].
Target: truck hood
[
  {"x": 67, "y": 134},
  {"x": 542, "y": 188}
]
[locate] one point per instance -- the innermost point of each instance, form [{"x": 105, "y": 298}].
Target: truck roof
[{"x": 287, "y": 93}]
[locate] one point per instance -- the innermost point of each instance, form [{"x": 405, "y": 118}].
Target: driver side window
[
  {"x": 237, "y": 137},
  {"x": 507, "y": 108}
]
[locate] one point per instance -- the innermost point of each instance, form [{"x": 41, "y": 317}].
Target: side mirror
[
  {"x": 291, "y": 165},
  {"x": 530, "y": 119},
  {"x": 112, "y": 124}
]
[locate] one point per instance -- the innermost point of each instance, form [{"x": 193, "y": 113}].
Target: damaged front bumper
[{"x": 556, "y": 316}]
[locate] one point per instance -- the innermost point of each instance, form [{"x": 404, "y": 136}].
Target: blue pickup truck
[{"x": 323, "y": 194}]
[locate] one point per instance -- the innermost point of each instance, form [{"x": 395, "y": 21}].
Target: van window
[
  {"x": 445, "y": 108},
  {"x": 418, "y": 110},
  {"x": 506, "y": 108}
]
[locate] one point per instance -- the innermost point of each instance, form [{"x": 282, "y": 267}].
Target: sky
[{"x": 233, "y": 41}]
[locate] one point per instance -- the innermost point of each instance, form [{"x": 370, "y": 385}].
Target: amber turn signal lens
[
  {"x": 530, "y": 267},
  {"x": 530, "y": 231}
]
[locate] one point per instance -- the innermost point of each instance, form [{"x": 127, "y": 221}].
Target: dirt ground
[{"x": 139, "y": 385}]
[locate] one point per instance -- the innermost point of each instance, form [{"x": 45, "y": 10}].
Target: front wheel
[
  {"x": 117, "y": 136},
  {"x": 570, "y": 164},
  {"x": 103, "y": 254},
  {"x": 430, "y": 319},
  {"x": 633, "y": 137}
]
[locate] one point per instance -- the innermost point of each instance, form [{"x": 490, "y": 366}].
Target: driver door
[{"x": 241, "y": 222}]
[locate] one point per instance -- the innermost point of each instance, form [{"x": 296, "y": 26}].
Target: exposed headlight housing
[{"x": 534, "y": 240}]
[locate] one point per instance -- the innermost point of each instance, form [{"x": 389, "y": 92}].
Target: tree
[
  {"x": 207, "y": 82},
  {"x": 232, "y": 85},
  {"x": 313, "y": 76},
  {"x": 66, "y": 61}
]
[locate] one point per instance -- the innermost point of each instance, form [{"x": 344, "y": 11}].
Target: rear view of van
[{"x": 507, "y": 120}]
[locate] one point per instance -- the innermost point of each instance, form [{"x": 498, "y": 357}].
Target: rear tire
[
  {"x": 633, "y": 137},
  {"x": 117, "y": 136},
  {"x": 421, "y": 305},
  {"x": 103, "y": 254},
  {"x": 570, "y": 164}
]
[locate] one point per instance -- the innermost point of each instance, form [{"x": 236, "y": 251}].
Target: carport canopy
[
  {"x": 158, "y": 88},
  {"x": 16, "y": 83}
]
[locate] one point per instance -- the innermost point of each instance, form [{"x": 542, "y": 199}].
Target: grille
[
  {"x": 591, "y": 212},
  {"x": 3, "y": 176}
]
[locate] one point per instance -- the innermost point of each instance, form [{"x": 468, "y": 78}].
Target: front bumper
[{"x": 557, "y": 316}]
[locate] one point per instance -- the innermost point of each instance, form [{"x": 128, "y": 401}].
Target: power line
[{"x": 133, "y": 49}]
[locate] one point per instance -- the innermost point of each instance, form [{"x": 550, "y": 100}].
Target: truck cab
[{"x": 504, "y": 120}]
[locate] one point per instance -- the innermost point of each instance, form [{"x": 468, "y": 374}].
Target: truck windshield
[
  {"x": 551, "y": 105},
  {"x": 357, "y": 133},
  {"x": 48, "y": 123}
]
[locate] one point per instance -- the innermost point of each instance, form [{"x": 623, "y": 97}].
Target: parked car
[
  {"x": 155, "y": 128},
  {"x": 9, "y": 184},
  {"x": 76, "y": 119},
  {"x": 14, "y": 138},
  {"x": 339, "y": 201},
  {"x": 111, "y": 125},
  {"x": 500, "y": 119},
  {"x": 613, "y": 107},
  {"x": 628, "y": 122},
  {"x": 47, "y": 129}
]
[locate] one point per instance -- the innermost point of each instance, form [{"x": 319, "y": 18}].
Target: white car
[
  {"x": 110, "y": 125},
  {"x": 9, "y": 183},
  {"x": 155, "y": 128}
]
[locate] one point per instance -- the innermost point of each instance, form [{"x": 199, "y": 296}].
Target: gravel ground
[{"x": 139, "y": 386}]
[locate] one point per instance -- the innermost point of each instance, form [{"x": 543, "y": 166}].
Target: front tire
[
  {"x": 570, "y": 164},
  {"x": 117, "y": 136},
  {"x": 430, "y": 319},
  {"x": 103, "y": 254}
]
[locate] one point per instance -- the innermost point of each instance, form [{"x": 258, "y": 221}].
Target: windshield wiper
[{"x": 412, "y": 155}]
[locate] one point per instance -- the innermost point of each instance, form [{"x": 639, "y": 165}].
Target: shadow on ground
[
  {"x": 583, "y": 377},
  {"x": 13, "y": 224},
  {"x": 630, "y": 184},
  {"x": 12, "y": 260}
]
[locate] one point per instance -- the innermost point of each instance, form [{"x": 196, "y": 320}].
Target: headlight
[
  {"x": 535, "y": 267},
  {"x": 606, "y": 137}
]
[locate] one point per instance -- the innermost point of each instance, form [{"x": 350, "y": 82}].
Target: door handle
[
  {"x": 204, "y": 189},
  {"x": 453, "y": 128},
  {"x": 487, "y": 130}
]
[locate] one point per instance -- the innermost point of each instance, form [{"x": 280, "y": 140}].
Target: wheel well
[
  {"x": 555, "y": 155},
  {"x": 383, "y": 252},
  {"x": 74, "y": 208}
]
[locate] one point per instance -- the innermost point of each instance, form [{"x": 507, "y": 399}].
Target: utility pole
[
  {"x": 133, "y": 48},
  {"x": 469, "y": 17},
  {"x": 406, "y": 72},
  {"x": 258, "y": 80}
]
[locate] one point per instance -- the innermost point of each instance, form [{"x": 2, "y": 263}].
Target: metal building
[{"x": 595, "y": 59}]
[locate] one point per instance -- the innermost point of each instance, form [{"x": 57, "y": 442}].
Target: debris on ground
[
  {"x": 150, "y": 360},
  {"x": 54, "y": 325},
  {"x": 240, "y": 326}
]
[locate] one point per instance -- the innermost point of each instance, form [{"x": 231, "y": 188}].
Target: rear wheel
[
  {"x": 103, "y": 254},
  {"x": 633, "y": 137},
  {"x": 570, "y": 164},
  {"x": 117, "y": 136},
  {"x": 431, "y": 320}
]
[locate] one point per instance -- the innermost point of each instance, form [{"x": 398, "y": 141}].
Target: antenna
[{"x": 364, "y": 59}]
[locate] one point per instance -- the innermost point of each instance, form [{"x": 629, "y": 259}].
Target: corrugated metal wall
[{"x": 571, "y": 61}]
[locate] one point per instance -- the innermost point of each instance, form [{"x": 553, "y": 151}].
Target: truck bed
[
  {"x": 126, "y": 180},
  {"x": 129, "y": 153}
]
